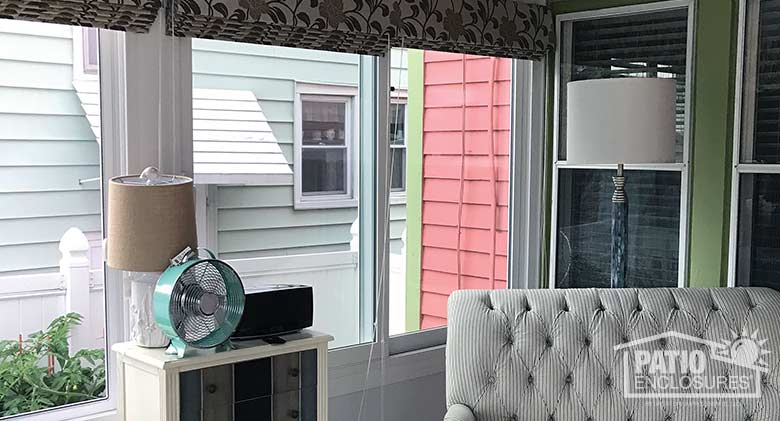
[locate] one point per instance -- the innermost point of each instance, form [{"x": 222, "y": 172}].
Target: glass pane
[
  {"x": 245, "y": 125},
  {"x": 324, "y": 123},
  {"x": 758, "y": 239},
  {"x": 761, "y": 127},
  {"x": 584, "y": 238},
  {"x": 50, "y": 208},
  {"x": 397, "y": 124},
  {"x": 650, "y": 44},
  {"x": 324, "y": 171},
  {"x": 398, "y": 171},
  {"x": 457, "y": 188}
]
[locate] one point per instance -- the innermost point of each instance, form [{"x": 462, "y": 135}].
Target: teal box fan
[{"x": 198, "y": 302}]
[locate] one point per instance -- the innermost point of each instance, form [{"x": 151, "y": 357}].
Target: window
[
  {"x": 324, "y": 134},
  {"x": 636, "y": 41},
  {"x": 398, "y": 146},
  {"x": 456, "y": 137},
  {"x": 755, "y": 250},
  {"x": 51, "y": 214},
  {"x": 288, "y": 118}
]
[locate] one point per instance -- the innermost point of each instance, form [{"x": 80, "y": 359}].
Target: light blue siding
[
  {"x": 260, "y": 221},
  {"x": 46, "y": 147}
]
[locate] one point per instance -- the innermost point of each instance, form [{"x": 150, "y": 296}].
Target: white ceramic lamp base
[{"x": 143, "y": 328}]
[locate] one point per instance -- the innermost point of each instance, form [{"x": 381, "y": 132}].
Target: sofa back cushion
[{"x": 579, "y": 355}]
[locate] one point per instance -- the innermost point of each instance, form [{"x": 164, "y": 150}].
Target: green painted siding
[
  {"x": 711, "y": 134},
  {"x": 414, "y": 172},
  {"x": 260, "y": 221},
  {"x": 47, "y": 147}
]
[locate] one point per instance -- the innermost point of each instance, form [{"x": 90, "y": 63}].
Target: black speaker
[{"x": 275, "y": 310}]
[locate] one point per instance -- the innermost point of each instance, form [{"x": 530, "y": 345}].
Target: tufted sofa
[{"x": 549, "y": 355}]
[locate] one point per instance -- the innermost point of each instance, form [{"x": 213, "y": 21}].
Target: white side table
[{"x": 256, "y": 381}]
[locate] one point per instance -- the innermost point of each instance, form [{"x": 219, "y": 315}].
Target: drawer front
[{"x": 287, "y": 373}]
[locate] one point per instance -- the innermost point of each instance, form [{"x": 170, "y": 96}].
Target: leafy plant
[{"x": 40, "y": 372}]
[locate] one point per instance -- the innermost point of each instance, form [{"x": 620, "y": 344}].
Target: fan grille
[{"x": 200, "y": 301}]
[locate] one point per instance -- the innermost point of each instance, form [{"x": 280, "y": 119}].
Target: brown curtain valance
[
  {"x": 504, "y": 28},
  {"x": 120, "y": 15}
]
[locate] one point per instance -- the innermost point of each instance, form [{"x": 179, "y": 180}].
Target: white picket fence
[{"x": 28, "y": 303}]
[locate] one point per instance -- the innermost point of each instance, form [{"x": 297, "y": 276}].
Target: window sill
[{"x": 398, "y": 198}]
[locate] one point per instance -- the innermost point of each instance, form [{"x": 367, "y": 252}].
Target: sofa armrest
[{"x": 459, "y": 412}]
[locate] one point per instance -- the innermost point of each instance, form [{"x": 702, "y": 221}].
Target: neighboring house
[
  {"x": 472, "y": 199},
  {"x": 269, "y": 191},
  {"x": 50, "y": 159}
]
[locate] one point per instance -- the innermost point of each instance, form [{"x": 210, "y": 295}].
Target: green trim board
[
  {"x": 414, "y": 172},
  {"x": 712, "y": 113}
]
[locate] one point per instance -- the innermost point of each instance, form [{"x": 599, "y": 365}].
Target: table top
[{"x": 241, "y": 351}]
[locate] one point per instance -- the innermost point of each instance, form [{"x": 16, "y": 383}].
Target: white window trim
[
  {"x": 683, "y": 167},
  {"x": 79, "y": 54},
  {"x": 745, "y": 47},
  {"x": 328, "y": 93}
]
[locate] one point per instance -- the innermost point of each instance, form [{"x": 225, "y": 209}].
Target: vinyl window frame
[
  {"x": 347, "y": 95},
  {"x": 682, "y": 167},
  {"x": 747, "y": 62}
]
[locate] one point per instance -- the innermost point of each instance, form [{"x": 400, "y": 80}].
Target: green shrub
[{"x": 40, "y": 373}]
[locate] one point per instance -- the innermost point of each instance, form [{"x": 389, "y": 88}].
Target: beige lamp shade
[
  {"x": 621, "y": 121},
  {"x": 150, "y": 220}
]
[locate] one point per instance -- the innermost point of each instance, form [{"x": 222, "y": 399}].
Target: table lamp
[
  {"x": 616, "y": 122},
  {"x": 151, "y": 218}
]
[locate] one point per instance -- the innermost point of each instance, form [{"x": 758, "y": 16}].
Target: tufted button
[
  {"x": 748, "y": 418},
  {"x": 527, "y": 306},
  {"x": 608, "y": 381},
  {"x": 764, "y": 379},
  {"x": 513, "y": 417},
  {"x": 530, "y": 379},
  {"x": 639, "y": 307},
  {"x": 675, "y": 306},
  {"x": 668, "y": 418},
  {"x": 600, "y": 307},
  {"x": 568, "y": 379},
  {"x": 662, "y": 342},
  {"x": 586, "y": 341},
  {"x": 715, "y": 307},
  {"x": 510, "y": 340},
  {"x": 625, "y": 339},
  {"x": 491, "y": 380},
  {"x": 548, "y": 342},
  {"x": 551, "y": 418}
]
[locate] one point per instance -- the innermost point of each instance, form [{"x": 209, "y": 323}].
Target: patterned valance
[
  {"x": 120, "y": 15},
  {"x": 503, "y": 28}
]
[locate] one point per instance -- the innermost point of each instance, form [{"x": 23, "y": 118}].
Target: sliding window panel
[
  {"x": 584, "y": 228},
  {"x": 450, "y": 231},
  {"x": 280, "y": 143}
]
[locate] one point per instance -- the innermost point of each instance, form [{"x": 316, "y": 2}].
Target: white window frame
[
  {"x": 327, "y": 93},
  {"x": 113, "y": 159},
  {"x": 683, "y": 167},
  {"x": 398, "y": 197},
  {"x": 81, "y": 68},
  {"x": 747, "y": 56}
]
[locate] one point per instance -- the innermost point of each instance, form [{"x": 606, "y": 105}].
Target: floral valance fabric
[
  {"x": 504, "y": 28},
  {"x": 121, "y": 15}
]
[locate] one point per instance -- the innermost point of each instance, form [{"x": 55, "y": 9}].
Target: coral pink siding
[{"x": 465, "y": 195}]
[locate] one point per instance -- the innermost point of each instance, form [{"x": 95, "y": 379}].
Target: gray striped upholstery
[{"x": 542, "y": 355}]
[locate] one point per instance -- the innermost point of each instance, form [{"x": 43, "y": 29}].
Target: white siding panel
[
  {"x": 48, "y": 153},
  {"x": 254, "y": 197},
  {"x": 240, "y": 158},
  {"x": 44, "y": 230},
  {"x": 244, "y": 219},
  {"x": 44, "y": 256},
  {"x": 36, "y": 75},
  {"x": 35, "y": 49},
  {"x": 236, "y": 147},
  {"x": 232, "y": 136},
  {"x": 35, "y": 28},
  {"x": 283, "y": 238},
  {"x": 233, "y": 168},
  {"x": 263, "y": 88},
  {"x": 37, "y": 127},
  {"x": 48, "y": 178},
  {"x": 38, "y": 204},
  {"x": 30, "y": 101}
]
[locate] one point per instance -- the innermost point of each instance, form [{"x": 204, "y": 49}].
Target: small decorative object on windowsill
[
  {"x": 616, "y": 122},
  {"x": 151, "y": 218}
]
